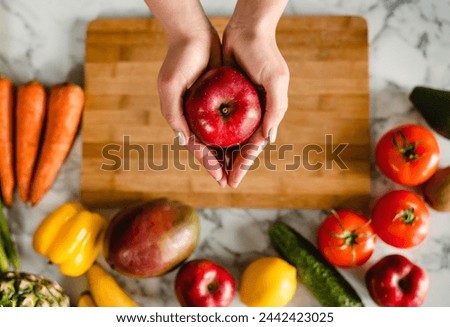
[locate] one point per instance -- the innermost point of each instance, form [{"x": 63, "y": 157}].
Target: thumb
[
  {"x": 276, "y": 106},
  {"x": 171, "y": 101}
]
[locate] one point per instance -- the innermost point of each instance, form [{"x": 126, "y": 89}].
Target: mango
[
  {"x": 437, "y": 190},
  {"x": 150, "y": 239}
]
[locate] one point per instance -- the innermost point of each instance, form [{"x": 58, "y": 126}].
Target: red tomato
[
  {"x": 401, "y": 219},
  {"x": 409, "y": 155},
  {"x": 346, "y": 239}
]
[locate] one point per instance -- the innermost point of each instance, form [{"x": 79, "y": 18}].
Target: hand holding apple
[
  {"x": 253, "y": 46},
  {"x": 189, "y": 54},
  {"x": 395, "y": 281},
  {"x": 249, "y": 42},
  {"x": 203, "y": 283}
]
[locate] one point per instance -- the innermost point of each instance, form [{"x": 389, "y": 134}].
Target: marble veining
[{"x": 409, "y": 46}]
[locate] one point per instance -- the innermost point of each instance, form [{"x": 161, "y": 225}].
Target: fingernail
[
  {"x": 181, "y": 138},
  {"x": 222, "y": 180},
  {"x": 273, "y": 134},
  {"x": 234, "y": 184}
]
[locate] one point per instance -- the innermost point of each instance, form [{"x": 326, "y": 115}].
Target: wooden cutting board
[{"x": 126, "y": 142}]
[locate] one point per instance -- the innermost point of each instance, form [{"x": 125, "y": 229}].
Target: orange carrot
[
  {"x": 65, "y": 107},
  {"x": 30, "y": 113},
  {"x": 6, "y": 140}
]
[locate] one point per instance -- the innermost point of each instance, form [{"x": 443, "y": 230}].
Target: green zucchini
[
  {"x": 8, "y": 249},
  {"x": 321, "y": 278},
  {"x": 434, "y": 106},
  {"x": 4, "y": 263}
]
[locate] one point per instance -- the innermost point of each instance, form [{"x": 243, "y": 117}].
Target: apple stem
[
  {"x": 213, "y": 287},
  {"x": 224, "y": 109},
  {"x": 404, "y": 285}
]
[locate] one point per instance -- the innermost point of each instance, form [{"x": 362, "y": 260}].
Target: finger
[
  {"x": 171, "y": 102},
  {"x": 222, "y": 160},
  {"x": 209, "y": 159},
  {"x": 228, "y": 54},
  {"x": 276, "y": 104},
  {"x": 243, "y": 159},
  {"x": 215, "y": 59},
  {"x": 223, "y": 181},
  {"x": 229, "y": 60}
]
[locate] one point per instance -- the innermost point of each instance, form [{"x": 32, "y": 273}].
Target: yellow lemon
[{"x": 268, "y": 282}]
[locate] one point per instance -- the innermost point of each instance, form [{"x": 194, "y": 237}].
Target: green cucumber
[
  {"x": 434, "y": 106},
  {"x": 321, "y": 278}
]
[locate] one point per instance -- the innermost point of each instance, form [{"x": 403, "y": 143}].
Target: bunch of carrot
[{"x": 37, "y": 130}]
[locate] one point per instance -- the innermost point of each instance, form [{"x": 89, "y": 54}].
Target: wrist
[
  {"x": 188, "y": 29},
  {"x": 251, "y": 28},
  {"x": 243, "y": 31},
  {"x": 180, "y": 19},
  {"x": 197, "y": 34},
  {"x": 257, "y": 17}
]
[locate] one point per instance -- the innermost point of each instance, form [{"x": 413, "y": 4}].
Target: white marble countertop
[{"x": 409, "y": 45}]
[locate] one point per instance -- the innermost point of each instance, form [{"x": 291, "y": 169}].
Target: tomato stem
[
  {"x": 406, "y": 148},
  {"x": 407, "y": 216},
  {"x": 350, "y": 238},
  {"x": 335, "y": 214}
]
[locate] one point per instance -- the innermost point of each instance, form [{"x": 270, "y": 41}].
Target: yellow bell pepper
[{"x": 71, "y": 237}]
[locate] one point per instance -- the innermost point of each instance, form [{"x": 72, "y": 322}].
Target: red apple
[
  {"x": 395, "y": 281},
  {"x": 223, "y": 108},
  {"x": 203, "y": 283}
]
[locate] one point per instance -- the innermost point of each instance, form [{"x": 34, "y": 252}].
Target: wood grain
[{"x": 328, "y": 95}]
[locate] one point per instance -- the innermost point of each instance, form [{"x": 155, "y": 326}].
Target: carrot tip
[
  {"x": 7, "y": 204},
  {"x": 24, "y": 199},
  {"x": 34, "y": 199}
]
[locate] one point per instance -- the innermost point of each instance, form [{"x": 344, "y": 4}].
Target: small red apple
[
  {"x": 203, "y": 283},
  {"x": 223, "y": 108},
  {"x": 395, "y": 281}
]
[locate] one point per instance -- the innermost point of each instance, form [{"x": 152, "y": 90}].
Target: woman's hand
[
  {"x": 186, "y": 60},
  {"x": 249, "y": 42},
  {"x": 193, "y": 47}
]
